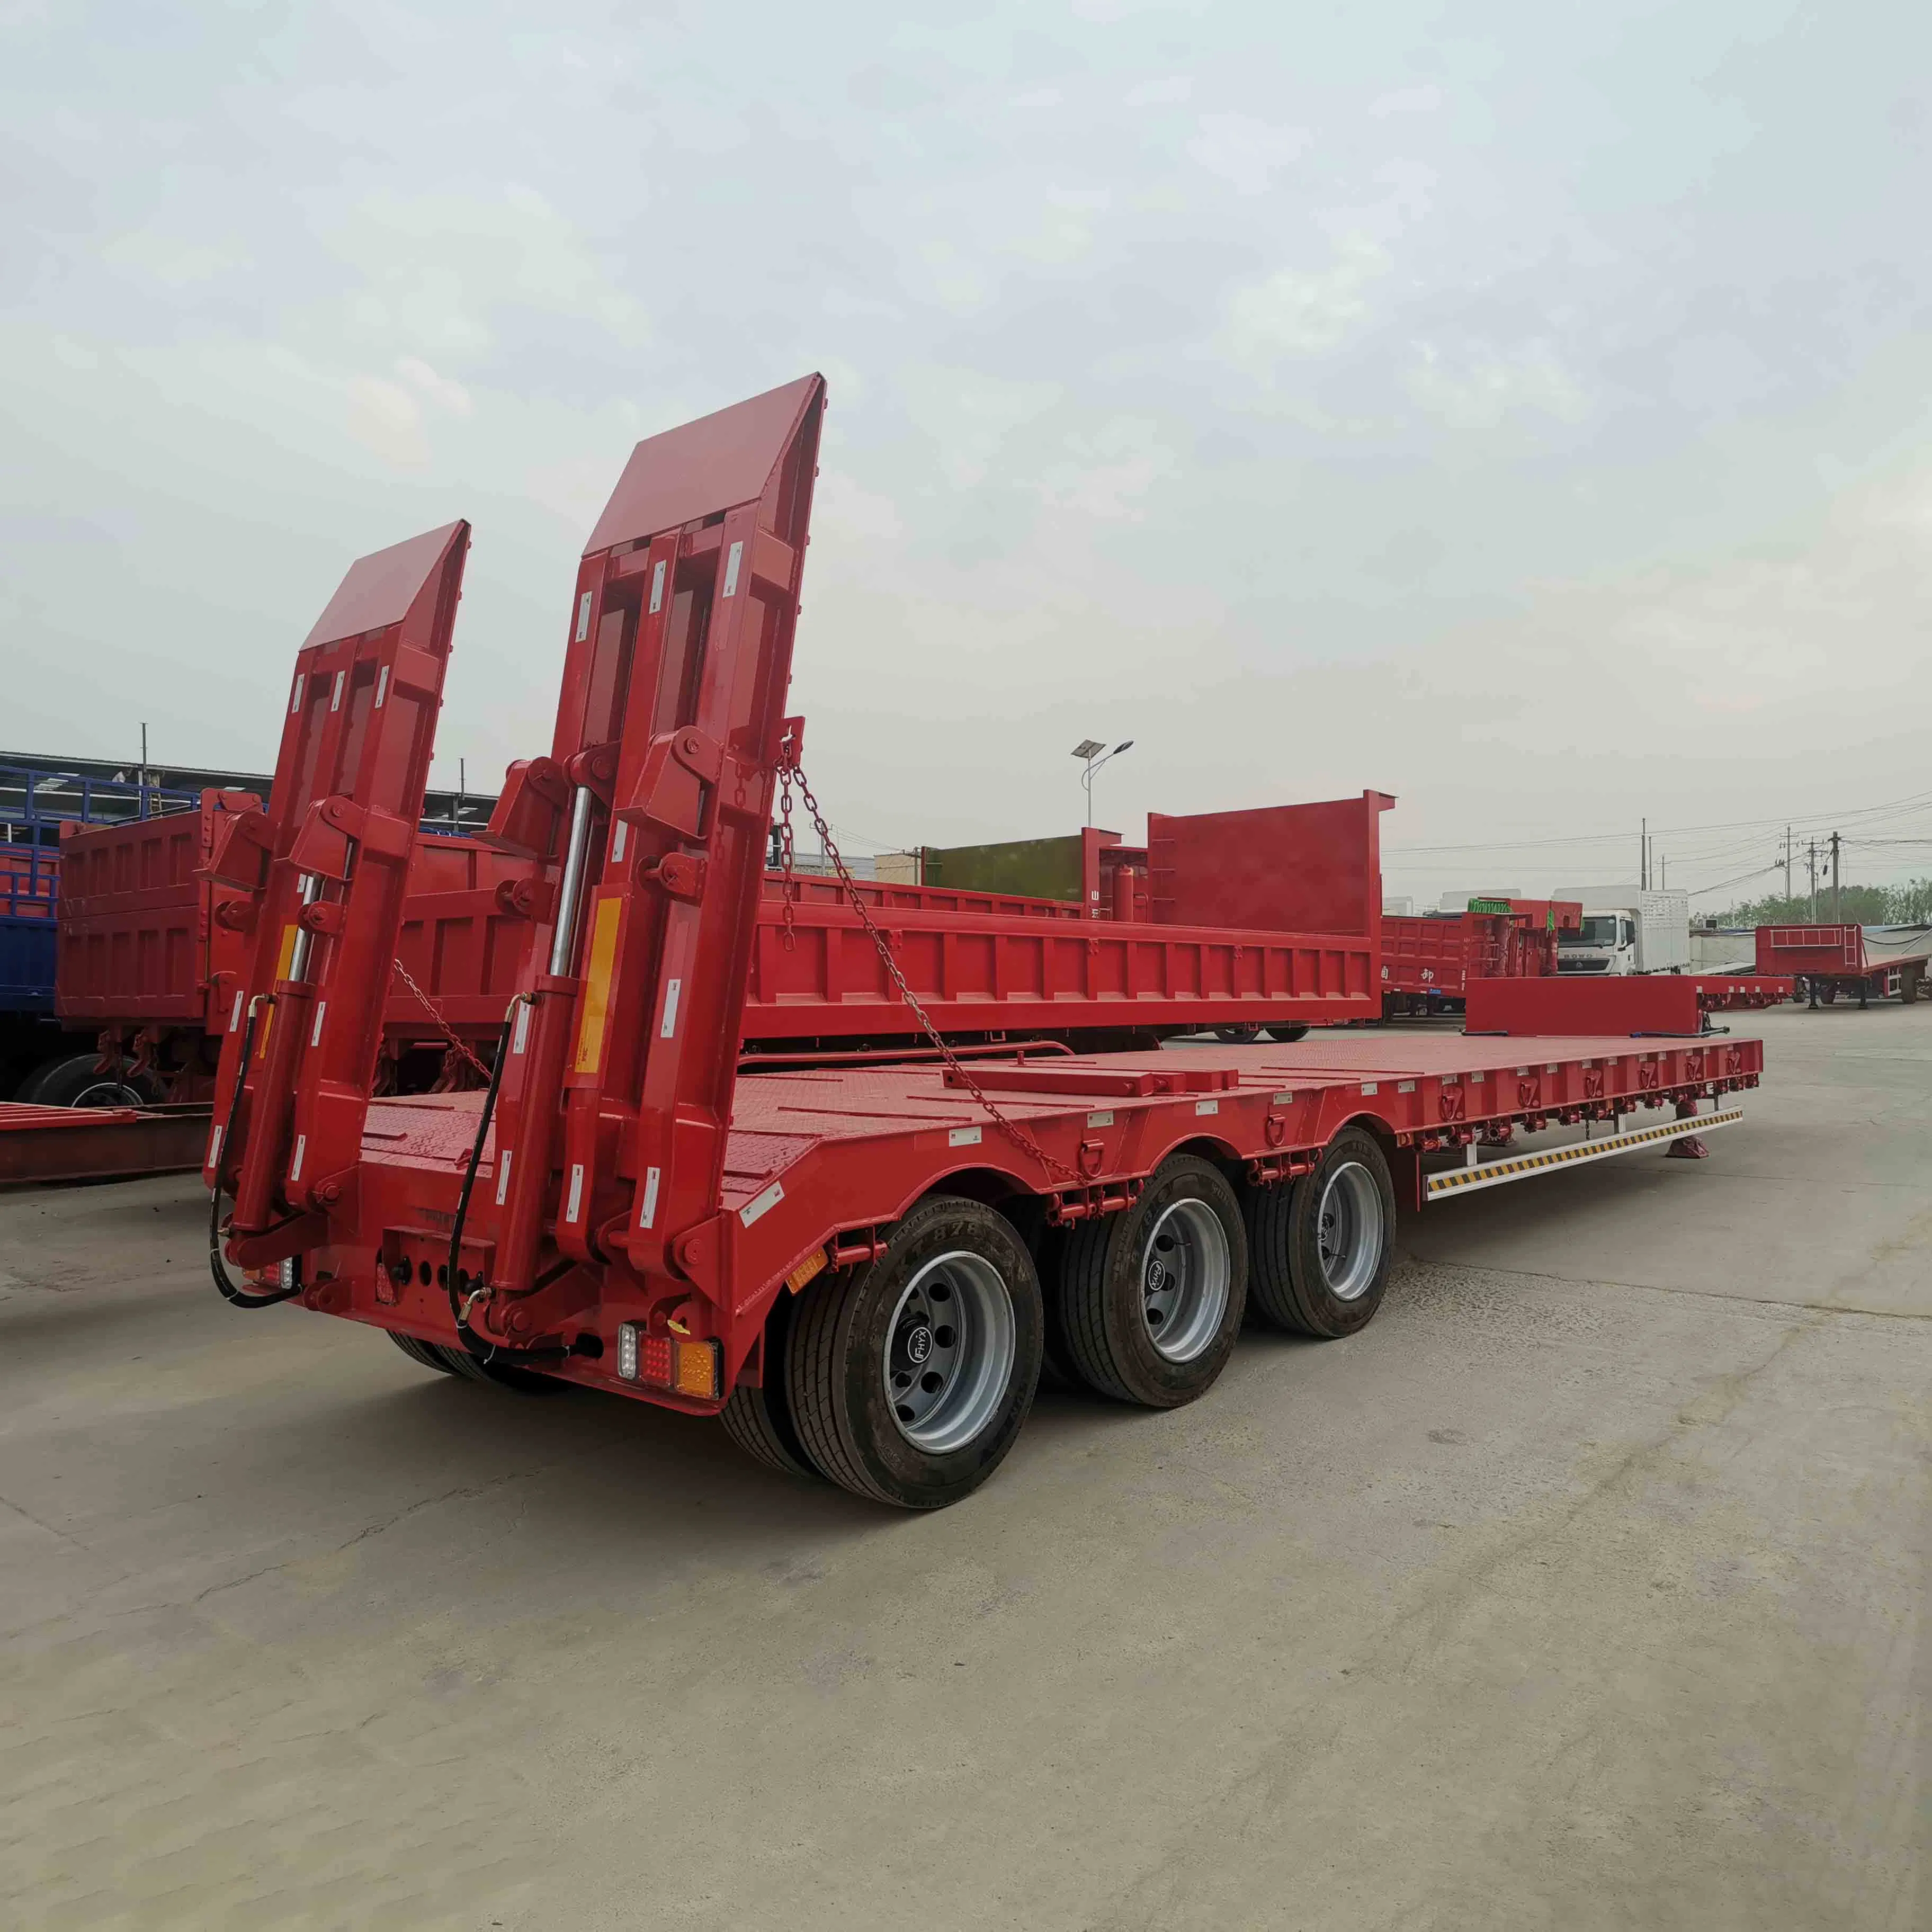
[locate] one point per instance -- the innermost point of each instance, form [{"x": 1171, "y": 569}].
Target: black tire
[
  {"x": 1237, "y": 1036},
  {"x": 1288, "y": 1289},
  {"x": 74, "y": 1082},
  {"x": 424, "y": 1354},
  {"x": 460, "y": 1361},
  {"x": 759, "y": 1419},
  {"x": 1908, "y": 986},
  {"x": 853, "y": 1326},
  {"x": 1299, "y": 1030},
  {"x": 1112, "y": 1317}
]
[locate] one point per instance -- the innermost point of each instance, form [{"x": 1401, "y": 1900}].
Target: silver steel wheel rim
[
  {"x": 1348, "y": 1231},
  {"x": 950, "y": 1348},
  {"x": 1186, "y": 1271},
  {"x": 106, "y": 1093}
]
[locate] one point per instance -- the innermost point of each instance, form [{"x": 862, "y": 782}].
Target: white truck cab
[{"x": 1639, "y": 930}]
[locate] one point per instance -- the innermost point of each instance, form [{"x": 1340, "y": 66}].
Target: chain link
[
  {"x": 442, "y": 1026},
  {"x": 1013, "y": 1131}
]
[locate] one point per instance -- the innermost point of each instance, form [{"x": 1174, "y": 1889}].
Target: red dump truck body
[
  {"x": 854, "y": 1265},
  {"x": 152, "y": 949},
  {"x": 1427, "y": 961}
]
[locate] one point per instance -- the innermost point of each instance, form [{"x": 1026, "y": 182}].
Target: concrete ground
[{"x": 1586, "y": 1588}]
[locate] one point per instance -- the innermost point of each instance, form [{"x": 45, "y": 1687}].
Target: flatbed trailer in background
[
  {"x": 1854, "y": 961},
  {"x": 859, "y": 1267}
]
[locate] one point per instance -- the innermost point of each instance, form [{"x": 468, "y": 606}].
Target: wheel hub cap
[
  {"x": 1348, "y": 1231},
  {"x": 1186, "y": 1274},
  {"x": 955, "y": 1340}
]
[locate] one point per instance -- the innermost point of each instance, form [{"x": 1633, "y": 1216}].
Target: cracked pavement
[{"x": 1587, "y": 1587}]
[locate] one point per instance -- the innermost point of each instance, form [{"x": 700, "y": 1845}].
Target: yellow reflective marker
[
  {"x": 282, "y": 964},
  {"x": 597, "y": 983}
]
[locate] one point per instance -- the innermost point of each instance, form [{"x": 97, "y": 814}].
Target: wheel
[
  {"x": 459, "y": 1361},
  {"x": 1908, "y": 986},
  {"x": 1322, "y": 1244},
  {"x": 425, "y": 1354},
  {"x": 1829, "y": 994},
  {"x": 1299, "y": 1030},
  {"x": 759, "y": 1419},
  {"x": 74, "y": 1082},
  {"x": 1150, "y": 1300},
  {"x": 910, "y": 1377},
  {"x": 1237, "y": 1036}
]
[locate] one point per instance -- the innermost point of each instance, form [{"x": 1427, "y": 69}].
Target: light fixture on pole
[{"x": 1089, "y": 751}]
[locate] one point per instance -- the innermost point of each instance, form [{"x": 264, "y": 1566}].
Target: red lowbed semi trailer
[{"x": 858, "y": 1266}]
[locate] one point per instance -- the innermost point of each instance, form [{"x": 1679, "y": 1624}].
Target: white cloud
[
  {"x": 1297, "y": 312},
  {"x": 444, "y": 390},
  {"x": 1482, "y": 391},
  {"x": 1246, "y": 152}
]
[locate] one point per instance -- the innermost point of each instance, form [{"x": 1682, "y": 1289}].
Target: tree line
[{"x": 1908, "y": 904}]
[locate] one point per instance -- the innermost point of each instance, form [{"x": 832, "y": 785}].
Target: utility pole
[
  {"x": 1835, "y": 915},
  {"x": 1643, "y": 852},
  {"x": 144, "y": 770},
  {"x": 1787, "y": 863},
  {"x": 1811, "y": 863}
]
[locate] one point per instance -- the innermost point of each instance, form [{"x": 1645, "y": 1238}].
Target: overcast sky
[{"x": 1521, "y": 407}]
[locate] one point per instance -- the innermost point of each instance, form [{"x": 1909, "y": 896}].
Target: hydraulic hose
[
  {"x": 236, "y": 1296},
  {"x": 457, "y": 1283}
]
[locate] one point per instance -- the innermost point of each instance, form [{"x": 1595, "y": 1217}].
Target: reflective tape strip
[
  {"x": 583, "y": 617},
  {"x": 295, "y": 1165},
  {"x": 753, "y": 1210},
  {"x": 382, "y": 686},
  {"x": 335, "y": 702},
  {"x": 571, "y": 1212},
  {"x": 649, "y": 1212},
  {"x": 523, "y": 1030},
  {"x": 669, "y": 1028},
  {"x": 657, "y": 590},
  {"x": 596, "y": 1007},
  {"x": 315, "y": 1033},
  {"x": 1495, "y": 1173},
  {"x": 735, "y": 557},
  {"x": 503, "y": 1177}
]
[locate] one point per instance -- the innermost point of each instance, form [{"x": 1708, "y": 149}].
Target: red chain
[
  {"x": 442, "y": 1026},
  {"x": 1017, "y": 1134}
]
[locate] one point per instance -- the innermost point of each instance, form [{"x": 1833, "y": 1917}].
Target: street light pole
[{"x": 1088, "y": 750}]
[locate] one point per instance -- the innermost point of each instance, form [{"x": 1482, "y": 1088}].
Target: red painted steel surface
[
  {"x": 326, "y": 873},
  {"x": 632, "y": 1175},
  {"x": 1432, "y": 957},
  {"x": 30, "y": 878},
  {"x": 1810, "y": 949},
  {"x": 148, "y": 941},
  {"x": 817, "y": 1156},
  {"x": 1635, "y": 1004},
  {"x": 1280, "y": 868},
  {"x": 144, "y": 938},
  {"x": 977, "y": 972},
  {"x": 45, "y": 1144}
]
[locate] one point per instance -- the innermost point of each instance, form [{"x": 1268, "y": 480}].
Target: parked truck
[
  {"x": 1428, "y": 959},
  {"x": 1634, "y": 929},
  {"x": 859, "y": 1267}
]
